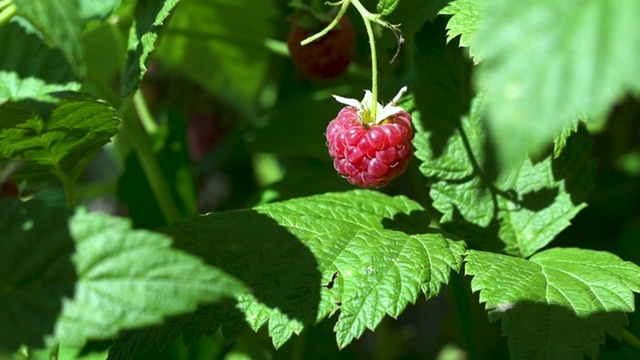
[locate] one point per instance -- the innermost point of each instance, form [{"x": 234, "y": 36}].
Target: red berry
[
  {"x": 370, "y": 155},
  {"x": 203, "y": 133},
  {"x": 9, "y": 189},
  {"x": 327, "y": 57}
]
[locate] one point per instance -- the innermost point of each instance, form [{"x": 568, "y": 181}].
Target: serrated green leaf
[
  {"x": 60, "y": 24},
  {"x": 522, "y": 209},
  {"x": 52, "y": 139},
  {"x": 548, "y": 63},
  {"x": 230, "y": 36},
  {"x": 29, "y": 68},
  {"x": 577, "y": 293},
  {"x": 464, "y": 23},
  {"x": 360, "y": 253},
  {"x": 131, "y": 278},
  {"x": 67, "y": 279},
  {"x": 530, "y": 204},
  {"x": 561, "y": 140},
  {"x": 386, "y": 7},
  {"x": 149, "y": 18}
]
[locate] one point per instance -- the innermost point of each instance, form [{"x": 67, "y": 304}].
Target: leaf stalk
[
  {"x": 368, "y": 17},
  {"x": 332, "y": 24},
  {"x": 7, "y": 11},
  {"x": 140, "y": 143}
]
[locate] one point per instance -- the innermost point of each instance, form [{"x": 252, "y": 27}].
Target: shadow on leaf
[
  {"x": 36, "y": 271},
  {"x": 570, "y": 166},
  {"x": 540, "y": 330},
  {"x": 415, "y": 223},
  {"x": 539, "y": 200},
  {"x": 280, "y": 271},
  {"x": 477, "y": 237},
  {"x": 442, "y": 91}
]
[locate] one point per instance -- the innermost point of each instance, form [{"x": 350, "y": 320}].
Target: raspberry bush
[{"x": 168, "y": 183}]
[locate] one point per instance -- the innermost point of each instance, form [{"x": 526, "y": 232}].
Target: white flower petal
[
  {"x": 347, "y": 101},
  {"x": 386, "y": 112}
]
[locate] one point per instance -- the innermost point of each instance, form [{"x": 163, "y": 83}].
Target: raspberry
[
  {"x": 327, "y": 57},
  {"x": 9, "y": 189},
  {"x": 203, "y": 133},
  {"x": 370, "y": 153}
]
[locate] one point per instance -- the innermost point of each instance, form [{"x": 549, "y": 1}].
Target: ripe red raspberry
[
  {"x": 327, "y": 57},
  {"x": 370, "y": 153}
]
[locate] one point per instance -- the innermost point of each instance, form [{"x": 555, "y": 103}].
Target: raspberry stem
[
  {"x": 325, "y": 31},
  {"x": 368, "y": 17}
]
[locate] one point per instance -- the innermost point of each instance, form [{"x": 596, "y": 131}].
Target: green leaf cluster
[{"x": 504, "y": 97}]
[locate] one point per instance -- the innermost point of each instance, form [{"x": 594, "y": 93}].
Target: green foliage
[
  {"x": 54, "y": 139},
  {"x": 33, "y": 69},
  {"x": 91, "y": 275},
  {"x": 235, "y": 46},
  {"x": 90, "y": 9},
  {"x": 464, "y": 22},
  {"x": 360, "y": 253},
  {"x": 557, "y": 291},
  {"x": 510, "y": 102},
  {"x": 548, "y": 63},
  {"x": 386, "y": 7},
  {"x": 149, "y": 16},
  {"x": 522, "y": 209},
  {"x": 59, "y": 23}
]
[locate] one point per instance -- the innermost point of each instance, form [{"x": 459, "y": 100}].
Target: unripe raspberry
[
  {"x": 327, "y": 57},
  {"x": 370, "y": 152}
]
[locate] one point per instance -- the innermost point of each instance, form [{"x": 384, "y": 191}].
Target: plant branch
[
  {"x": 368, "y": 17},
  {"x": 140, "y": 143},
  {"x": 334, "y": 22},
  {"x": 144, "y": 114},
  {"x": 630, "y": 339}
]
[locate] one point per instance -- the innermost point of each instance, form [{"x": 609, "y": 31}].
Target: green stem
[
  {"x": 140, "y": 143},
  {"x": 332, "y": 24},
  {"x": 368, "y": 17},
  {"x": 7, "y": 13},
  {"x": 298, "y": 346},
  {"x": 144, "y": 114},
  {"x": 69, "y": 186},
  {"x": 630, "y": 339},
  {"x": 53, "y": 353},
  {"x": 461, "y": 299}
]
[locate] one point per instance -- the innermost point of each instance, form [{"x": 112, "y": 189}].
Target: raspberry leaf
[
  {"x": 360, "y": 254},
  {"x": 149, "y": 16},
  {"x": 55, "y": 139},
  {"x": 102, "y": 277},
  {"x": 464, "y": 22},
  {"x": 386, "y": 7},
  {"x": 533, "y": 97},
  {"x": 60, "y": 24},
  {"x": 517, "y": 211},
  {"x": 29, "y": 68},
  {"x": 580, "y": 294},
  {"x": 100, "y": 9}
]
